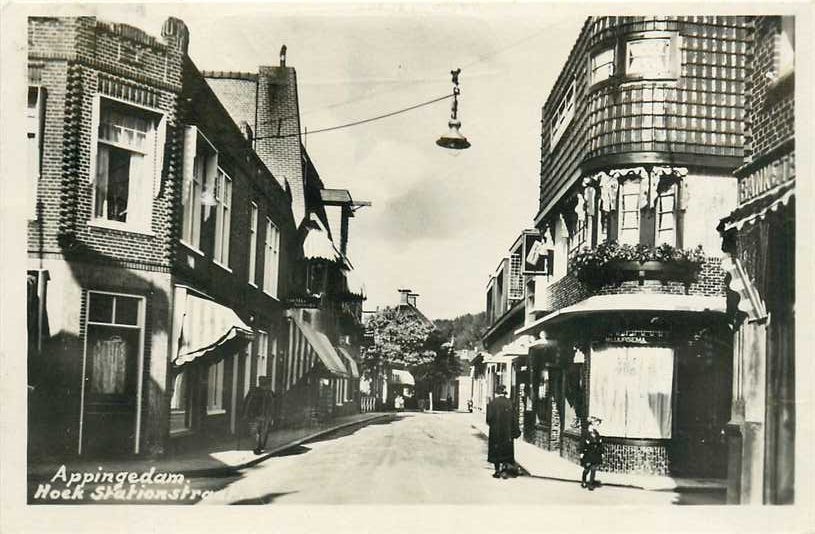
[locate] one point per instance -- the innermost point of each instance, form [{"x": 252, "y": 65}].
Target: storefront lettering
[{"x": 767, "y": 177}]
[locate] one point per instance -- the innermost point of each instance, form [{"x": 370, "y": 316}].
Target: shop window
[
  {"x": 631, "y": 390},
  {"x": 125, "y": 165},
  {"x": 35, "y": 115},
  {"x": 223, "y": 217},
  {"x": 651, "y": 58},
  {"x": 629, "y": 213},
  {"x": 563, "y": 115},
  {"x": 253, "y": 241},
  {"x": 115, "y": 327},
  {"x": 215, "y": 388},
  {"x": 263, "y": 355},
  {"x": 271, "y": 258},
  {"x": 180, "y": 403},
  {"x": 602, "y": 65}
]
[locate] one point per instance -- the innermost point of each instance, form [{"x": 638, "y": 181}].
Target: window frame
[
  {"x": 634, "y": 186},
  {"x": 671, "y": 192},
  {"x": 185, "y": 399},
  {"x": 153, "y": 161},
  {"x": 563, "y": 115},
  {"x": 204, "y": 170},
  {"x": 223, "y": 218},
  {"x": 215, "y": 388},
  {"x": 262, "y": 356},
  {"x": 253, "y": 245},
  {"x": 271, "y": 259},
  {"x": 35, "y": 128},
  {"x": 673, "y": 65},
  {"x": 593, "y": 69}
]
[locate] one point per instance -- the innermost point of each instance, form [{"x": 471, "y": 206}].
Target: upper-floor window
[
  {"x": 317, "y": 275},
  {"x": 262, "y": 356},
  {"x": 253, "y": 241},
  {"x": 271, "y": 258},
  {"x": 200, "y": 176},
  {"x": 516, "y": 279},
  {"x": 629, "y": 213},
  {"x": 579, "y": 238},
  {"x": 653, "y": 57},
  {"x": 563, "y": 115},
  {"x": 784, "y": 59},
  {"x": 35, "y": 113},
  {"x": 223, "y": 216},
  {"x": 125, "y": 165},
  {"x": 666, "y": 216},
  {"x": 602, "y": 65}
]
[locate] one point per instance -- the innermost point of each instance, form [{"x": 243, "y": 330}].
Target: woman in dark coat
[
  {"x": 591, "y": 455},
  {"x": 504, "y": 429}
]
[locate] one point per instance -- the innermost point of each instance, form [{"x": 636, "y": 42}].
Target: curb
[
  {"x": 655, "y": 487},
  {"x": 211, "y": 471}
]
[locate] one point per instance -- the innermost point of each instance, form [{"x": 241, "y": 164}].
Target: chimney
[
  {"x": 283, "y": 56},
  {"x": 404, "y": 295},
  {"x": 176, "y": 34},
  {"x": 412, "y": 299}
]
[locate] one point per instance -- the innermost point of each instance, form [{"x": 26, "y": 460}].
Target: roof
[
  {"x": 335, "y": 196},
  {"x": 411, "y": 308}
]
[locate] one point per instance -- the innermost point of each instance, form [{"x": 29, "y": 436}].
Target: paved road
[{"x": 410, "y": 458}]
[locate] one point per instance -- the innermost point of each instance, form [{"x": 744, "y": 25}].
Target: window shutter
[{"x": 190, "y": 146}]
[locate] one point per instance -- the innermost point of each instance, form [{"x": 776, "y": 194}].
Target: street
[{"x": 409, "y": 458}]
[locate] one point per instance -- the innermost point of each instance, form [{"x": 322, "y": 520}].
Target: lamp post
[{"x": 453, "y": 138}]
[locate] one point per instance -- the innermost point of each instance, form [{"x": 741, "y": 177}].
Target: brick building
[
  {"x": 759, "y": 237},
  {"x": 640, "y": 136},
  {"x": 165, "y": 258}
]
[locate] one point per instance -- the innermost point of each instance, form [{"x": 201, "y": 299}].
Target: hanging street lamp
[{"x": 453, "y": 138}]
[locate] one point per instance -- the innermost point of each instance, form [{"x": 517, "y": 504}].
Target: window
[
  {"x": 631, "y": 390},
  {"x": 270, "y": 259},
  {"x": 200, "y": 176},
  {"x": 215, "y": 388},
  {"x": 125, "y": 166},
  {"x": 263, "y": 355},
  {"x": 651, "y": 58},
  {"x": 35, "y": 113},
  {"x": 666, "y": 217},
  {"x": 223, "y": 205},
  {"x": 516, "y": 279},
  {"x": 579, "y": 238},
  {"x": 248, "y": 352},
  {"x": 784, "y": 60},
  {"x": 602, "y": 65},
  {"x": 317, "y": 275},
  {"x": 629, "y": 215},
  {"x": 563, "y": 115},
  {"x": 253, "y": 241},
  {"x": 180, "y": 412}
]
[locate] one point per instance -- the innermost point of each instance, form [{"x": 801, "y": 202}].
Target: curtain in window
[
  {"x": 109, "y": 365},
  {"x": 140, "y": 198},
  {"x": 631, "y": 389},
  {"x": 102, "y": 170}
]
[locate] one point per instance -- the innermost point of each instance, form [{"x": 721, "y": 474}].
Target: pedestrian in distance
[
  {"x": 504, "y": 429},
  {"x": 591, "y": 455}
]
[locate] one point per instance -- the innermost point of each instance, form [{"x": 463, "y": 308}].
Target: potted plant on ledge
[{"x": 610, "y": 262}]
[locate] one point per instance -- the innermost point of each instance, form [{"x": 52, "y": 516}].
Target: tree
[{"x": 399, "y": 341}]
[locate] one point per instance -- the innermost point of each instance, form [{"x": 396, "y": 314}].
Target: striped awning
[
  {"x": 399, "y": 376},
  {"x": 206, "y": 326},
  {"x": 750, "y": 301},
  {"x": 321, "y": 346},
  {"x": 353, "y": 368}
]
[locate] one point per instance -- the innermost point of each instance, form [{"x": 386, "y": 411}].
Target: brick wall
[
  {"x": 237, "y": 91},
  {"x": 771, "y": 111}
]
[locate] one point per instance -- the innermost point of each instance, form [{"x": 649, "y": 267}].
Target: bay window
[
  {"x": 125, "y": 169},
  {"x": 602, "y": 65},
  {"x": 652, "y": 57},
  {"x": 563, "y": 115}
]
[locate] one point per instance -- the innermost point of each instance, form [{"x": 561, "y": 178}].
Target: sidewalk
[
  {"x": 217, "y": 459},
  {"x": 547, "y": 464}
]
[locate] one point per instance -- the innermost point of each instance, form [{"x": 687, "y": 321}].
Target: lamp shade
[{"x": 453, "y": 138}]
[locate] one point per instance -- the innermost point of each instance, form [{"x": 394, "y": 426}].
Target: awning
[
  {"x": 205, "y": 327},
  {"x": 353, "y": 368},
  {"x": 758, "y": 208},
  {"x": 354, "y": 283},
  {"x": 498, "y": 358},
  {"x": 322, "y": 346},
  {"x": 317, "y": 245},
  {"x": 629, "y": 304},
  {"x": 402, "y": 377}
]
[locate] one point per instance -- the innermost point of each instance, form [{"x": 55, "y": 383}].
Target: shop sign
[
  {"x": 765, "y": 178},
  {"x": 634, "y": 338},
  {"x": 538, "y": 255}
]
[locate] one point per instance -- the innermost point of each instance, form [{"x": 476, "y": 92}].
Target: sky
[{"x": 440, "y": 220}]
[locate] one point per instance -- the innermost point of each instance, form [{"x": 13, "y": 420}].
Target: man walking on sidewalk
[
  {"x": 504, "y": 429},
  {"x": 591, "y": 455}
]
